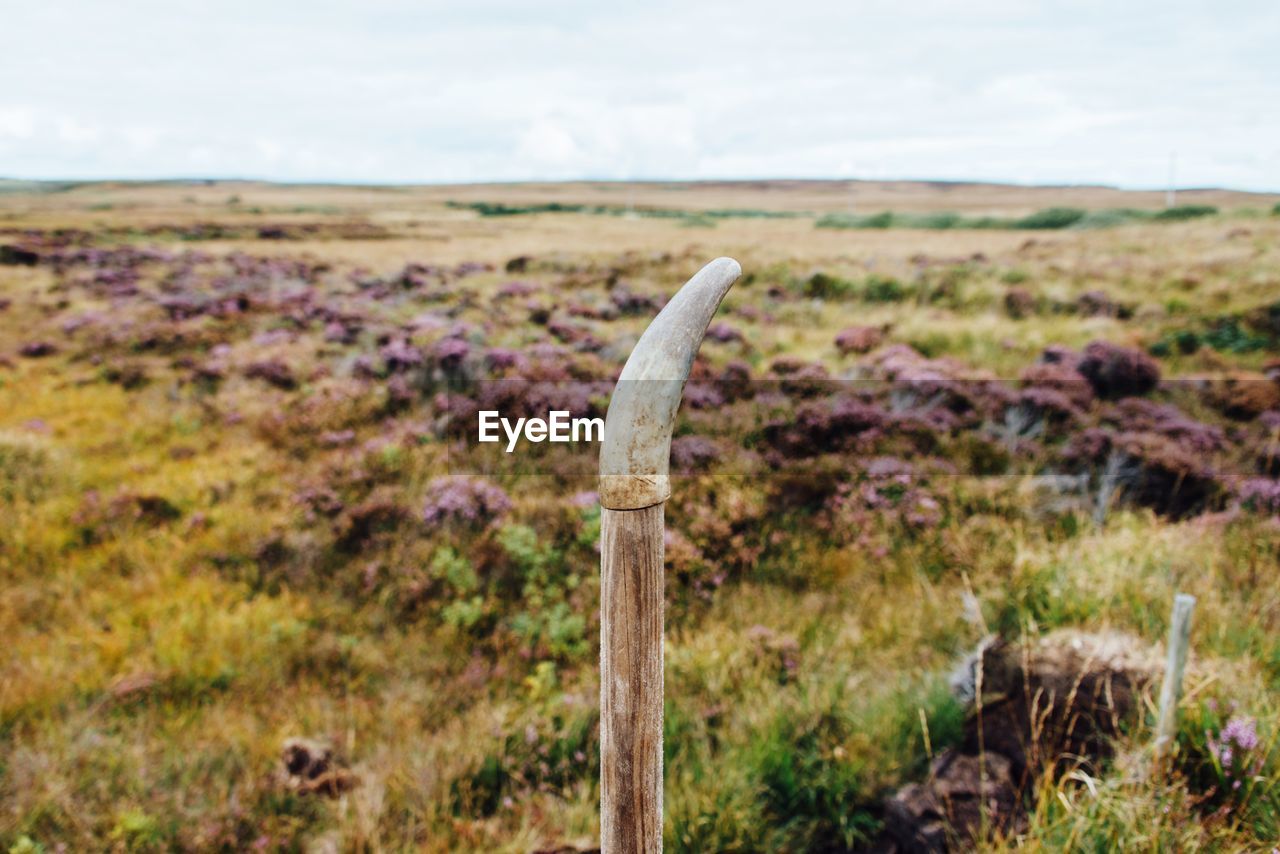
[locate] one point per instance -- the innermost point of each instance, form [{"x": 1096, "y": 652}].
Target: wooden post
[
  {"x": 1175, "y": 663},
  {"x": 631, "y": 696},
  {"x": 634, "y": 486}
]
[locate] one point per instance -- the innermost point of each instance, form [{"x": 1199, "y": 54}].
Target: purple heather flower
[
  {"x": 1233, "y": 749},
  {"x": 1116, "y": 372},
  {"x": 400, "y": 355},
  {"x": 450, "y": 352},
  {"x": 517, "y": 289},
  {"x": 859, "y": 339},
  {"x": 501, "y": 359},
  {"x": 690, "y": 453},
  {"x": 466, "y": 500},
  {"x": 1241, "y": 731},
  {"x": 1260, "y": 494},
  {"x": 723, "y": 333}
]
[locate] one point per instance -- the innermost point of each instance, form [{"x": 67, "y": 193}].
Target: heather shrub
[
  {"x": 1146, "y": 470},
  {"x": 1116, "y": 372},
  {"x": 1135, "y": 415},
  {"x": 859, "y": 339},
  {"x": 723, "y": 333},
  {"x": 319, "y": 414},
  {"x": 381, "y": 513},
  {"x": 465, "y": 501},
  {"x": 399, "y": 356},
  {"x": 1061, "y": 378},
  {"x": 1243, "y": 396},
  {"x": 887, "y": 500},
  {"x": 693, "y": 453},
  {"x": 826, "y": 426},
  {"x": 1260, "y": 495},
  {"x": 734, "y": 382},
  {"x": 274, "y": 372}
]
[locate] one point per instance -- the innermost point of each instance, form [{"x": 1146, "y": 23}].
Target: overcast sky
[{"x": 392, "y": 91}]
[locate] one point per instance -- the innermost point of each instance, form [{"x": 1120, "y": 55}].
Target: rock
[{"x": 923, "y": 817}]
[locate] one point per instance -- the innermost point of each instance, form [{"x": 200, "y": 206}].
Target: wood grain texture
[{"x": 631, "y": 614}]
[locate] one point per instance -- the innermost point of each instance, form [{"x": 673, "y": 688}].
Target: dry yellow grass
[{"x": 150, "y": 673}]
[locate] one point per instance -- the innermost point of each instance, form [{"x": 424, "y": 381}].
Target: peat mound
[{"x": 1047, "y": 705}]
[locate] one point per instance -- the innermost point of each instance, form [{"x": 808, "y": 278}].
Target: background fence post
[{"x": 1175, "y": 663}]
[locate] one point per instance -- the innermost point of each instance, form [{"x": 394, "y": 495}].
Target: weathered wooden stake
[
  {"x": 634, "y": 485},
  {"x": 1175, "y": 663}
]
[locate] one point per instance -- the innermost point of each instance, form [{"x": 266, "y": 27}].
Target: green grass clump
[
  {"x": 826, "y": 286},
  {"x": 1112, "y": 217},
  {"x": 1182, "y": 213},
  {"x": 1228, "y": 335},
  {"x": 501, "y": 209},
  {"x": 1047, "y": 219},
  {"x": 28, "y": 467},
  {"x": 841, "y": 220},
  {"x": 875, "y": 288},
  {"x": 1050, "y": 218}
]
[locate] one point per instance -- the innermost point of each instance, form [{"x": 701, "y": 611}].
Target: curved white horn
[{"x": 635, "y": 455}]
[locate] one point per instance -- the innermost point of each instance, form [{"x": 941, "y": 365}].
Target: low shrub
[
  {"x": 1181, "y": 213},
  {"x": 1051, "y": 218}
]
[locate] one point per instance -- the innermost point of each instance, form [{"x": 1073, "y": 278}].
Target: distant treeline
[
  {"x": 1048, "y": 218},
  {"x": 1044, "y": 219},
  {"x": 501, "y": 209}
]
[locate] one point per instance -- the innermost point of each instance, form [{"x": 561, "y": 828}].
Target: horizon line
[{"x": 325, "y": 182}]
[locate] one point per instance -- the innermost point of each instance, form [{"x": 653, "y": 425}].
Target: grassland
[{"x": 226, "y": 515}]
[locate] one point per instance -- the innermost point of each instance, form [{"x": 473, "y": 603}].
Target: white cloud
[
  {"x": 72, "y": 130},
  {"x": 547, "y": 145},
  {"x": 393, "y": 90},
  {"x": 17, "y": 123}
]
